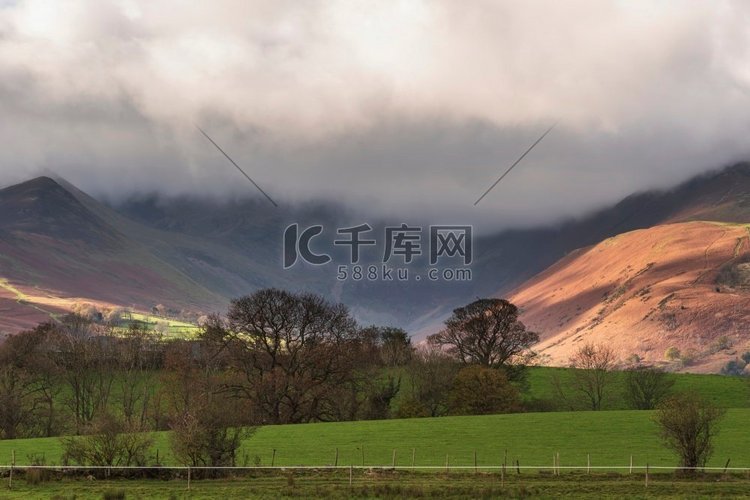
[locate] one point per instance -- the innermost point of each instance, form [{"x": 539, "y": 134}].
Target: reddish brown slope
[{"x": 642, "y": 292}]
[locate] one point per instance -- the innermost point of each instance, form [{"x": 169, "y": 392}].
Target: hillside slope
[
  {"x": 55, "y": 252},
  {"x": 684, "y": 285}
]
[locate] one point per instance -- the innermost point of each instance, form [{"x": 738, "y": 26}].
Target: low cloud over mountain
[{"x": 397, "y": 107}]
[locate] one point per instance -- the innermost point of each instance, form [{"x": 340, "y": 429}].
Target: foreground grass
[
  {"x": 389, "y": 484},
  {"x": 608, "y": 437}
]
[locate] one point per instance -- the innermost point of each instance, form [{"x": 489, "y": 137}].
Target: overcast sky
[{"x": 400, "y": 108}]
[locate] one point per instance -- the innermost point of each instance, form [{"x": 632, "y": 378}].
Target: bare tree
[
  {"x": 646, "y": 387},
  {"x": 486, "y": 332},
  {"x": 293, "y": 351},
  {"x": 137, "y": 356},
  {"x": 593, "y": 365},
  {"x": 85, "y": 357},
  {"x": 208, "y": 423},
  {"x": 688, "y": 425},
  {"x": 431, "y": 374},
  {"x": 391, "y": 345}
]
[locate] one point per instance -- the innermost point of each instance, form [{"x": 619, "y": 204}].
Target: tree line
[{"x": 276, "y": 357}]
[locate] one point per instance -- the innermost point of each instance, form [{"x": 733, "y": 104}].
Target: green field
[
  {"x": 722, "y": 390},
  {"x": 175, "y": 328},
  {"x": 609, "y": 437}
]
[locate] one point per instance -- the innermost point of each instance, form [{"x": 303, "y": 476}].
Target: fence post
[
  {"x": 12, "y": 466},
  {"x": 393, "y": 462},
  {"x": 336, "y": 460},
  {"x": 518, "y": 467},
  {"x": 351, "y": 472},
  {"x": 188, "y": 478},
  {"x": 446, "y": 463},
  {"x": 646, "y": 474},
  {"x": 588, "y": 463},
  {"x": 631, "y": 464},
  {"x": 413, "y": 456},
  {"x": 273, "y": 457},
  {"x": 726, "y": 466}
]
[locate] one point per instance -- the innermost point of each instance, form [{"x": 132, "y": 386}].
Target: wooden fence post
[
  {"x": 631, "y": 464},
  {"x": 336, "y": 460},
  {"x": 351, "y": 473},
  {"x": 518, "y": 467},
  {"x": 12, "y": 466},
  {"x": 588, "y": 463},
  {"x": 413, "y": 456},
  {"x": 273, "y": 457}
]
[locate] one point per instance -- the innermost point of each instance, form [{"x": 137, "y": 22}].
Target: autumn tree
[
  {"x": 688, "y": 425},
  {"x": 478, "y": 390},
  {"x": 486, "y": 332}
]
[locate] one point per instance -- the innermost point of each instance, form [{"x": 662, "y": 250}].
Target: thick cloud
[{"x": 406, "y": 108}]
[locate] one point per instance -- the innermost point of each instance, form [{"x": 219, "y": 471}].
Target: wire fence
[{"x": 360, "y": 475}]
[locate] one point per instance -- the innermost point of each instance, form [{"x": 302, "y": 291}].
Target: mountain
[
  {"x": 56, "y": 251},
  {"x": 683, "y": 285},
  {"x": 60, "y": 246},
  {"x": 682, "y": 282}
]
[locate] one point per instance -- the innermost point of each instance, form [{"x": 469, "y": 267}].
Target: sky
[{"x": 399, "y": 109}]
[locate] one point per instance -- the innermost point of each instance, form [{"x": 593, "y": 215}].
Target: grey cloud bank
[{"x": 395, "y": 107}]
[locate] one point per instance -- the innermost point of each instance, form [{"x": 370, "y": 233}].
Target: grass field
[
  {"x": 388, "y": 484},
  {"x": 722, "y": 390},
  {"x": 609, "y": 437},
  {"x": 175, "y": 328}
]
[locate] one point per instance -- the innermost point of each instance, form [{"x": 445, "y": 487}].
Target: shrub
[
  {"x": 721, "y": 344},
  {"x": 672, "y": 354},
  {"x": 734, "y": 367},
  {"x": 109, "y": 442},
  {"x": 412, "y": 408},
  {"x": 688, "y": 426}
]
